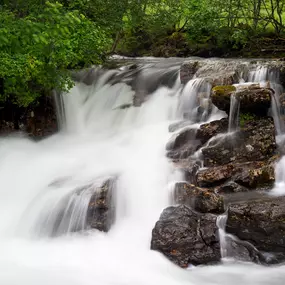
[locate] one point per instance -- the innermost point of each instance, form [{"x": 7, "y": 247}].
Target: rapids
[{"x": 99, "y": 139}]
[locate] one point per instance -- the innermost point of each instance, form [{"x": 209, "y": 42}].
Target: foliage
[
  {"x": 245, "y": 117},
  {"x": 40, "y": 42},
  {"x": 37, "y": 50}
]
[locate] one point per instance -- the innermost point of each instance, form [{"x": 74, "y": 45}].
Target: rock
[
  {"x": 230, "y": 187},
  {"x": 254, "y": 101},
  {"x": 214, "y": 176},
  {"x": 190, "y": 171},
  {"x": 209, "y": 130},
  {"x": 201, "y": 200},
  {"x": 254, "y": 142},
  {"x": 180, "y": 139},
  {"x": 256, "y": 174},
  {"x": 101, "y": 208},
  {"x": 183, "y": 145},
  {"x": 184, "y": 151},
  {"x": 262, "y": 223},
  {"x": 186, "y": 237},
  {"x": 218, "y": 72},
  {"x": 242, "y": 251},
  {"x": 221, "y": 72},
  {"x": 188, "y": 70}
]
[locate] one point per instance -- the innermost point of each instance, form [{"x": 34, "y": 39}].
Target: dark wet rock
[
  {"x": 190, "y": 171},
  {"x": 199, "y": 199},
  {"x": 214, "y": 176},
  {"x": 180, "y": 139},
  {"x": 252, "y": 100},
  {"x": 254, "y": 142},
  {"x": 186, "y": 237},
  {"x": 101, "y": 208},
  {"x": 256, "y": 174},
  {"x": 188, "y": 70},
  {"x": 185, "y": 151},
  {"x": 230, "y": 187},
  {"x": 242, "y": 251},
  {"x": 209, "y": 130},
  {"x": 183, "y": 144},
  {"x": 262, "y": 223}
]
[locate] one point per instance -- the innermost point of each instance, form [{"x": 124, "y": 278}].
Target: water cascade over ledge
[{"x": 79, "y": 207}]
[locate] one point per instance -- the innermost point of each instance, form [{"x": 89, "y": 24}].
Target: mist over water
[{"x": 99, "y": 140}]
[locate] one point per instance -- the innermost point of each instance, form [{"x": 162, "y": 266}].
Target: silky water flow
[{"x": 100, "y": 140}]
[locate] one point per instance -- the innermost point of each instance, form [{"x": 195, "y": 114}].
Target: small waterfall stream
[{"x": 105, "y": 135}]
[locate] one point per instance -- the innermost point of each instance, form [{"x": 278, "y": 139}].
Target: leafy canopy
[{"x": 36, "y": 51}]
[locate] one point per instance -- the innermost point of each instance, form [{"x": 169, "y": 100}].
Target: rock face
[
  {"x": 262, "y": 223},
  {"x": 249, "y": 174},
  {"x": 186, "y": 237},
  {"x": 228, "y": 72},
  {"x": 187, "y": 141},
  {"x": 252, "y": 100},
  {"x": 218, "y": 72},
  {"x": 188, "y": 70},
  {"x": 254, "y": 142},
  {"x": 101, "y": 208},
  {"x": 201, "y": 200},
  {"x": 209, "y": 130}
]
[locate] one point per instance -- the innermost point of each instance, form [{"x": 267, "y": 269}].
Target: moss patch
[{"x": 223, "y": 90}]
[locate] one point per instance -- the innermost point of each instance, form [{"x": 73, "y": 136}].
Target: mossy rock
[
  {"x": 223, "y": 90},
  {"x": 253, "y": 100}
]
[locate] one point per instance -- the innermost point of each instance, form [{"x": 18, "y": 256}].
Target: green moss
[
  {"x": 244, "y": 118},
  {"x": 223, "y": 90}
]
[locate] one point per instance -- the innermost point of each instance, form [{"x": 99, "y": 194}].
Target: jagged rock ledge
[{"x": 228, "y": 71}]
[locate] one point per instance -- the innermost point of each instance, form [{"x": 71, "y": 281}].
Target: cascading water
[
  {"x": 101, "y": 137},
  {"x": 234, "y": 114},
  {"x": 270, "y": 78}
]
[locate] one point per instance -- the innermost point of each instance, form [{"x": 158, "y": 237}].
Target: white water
[
  {"x": 234, "y": 114},
  {"x": 99, "y": 140},
  {"x": 266, "y": 77}
]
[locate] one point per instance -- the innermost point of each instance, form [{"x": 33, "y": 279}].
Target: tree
[{"x": 37, "y": 51}]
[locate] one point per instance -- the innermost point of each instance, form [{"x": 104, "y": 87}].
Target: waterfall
[
  {"x": 113, "y": 124},
  {"x": 265, "y": 76},
  {"x": 234, "y": 114}
]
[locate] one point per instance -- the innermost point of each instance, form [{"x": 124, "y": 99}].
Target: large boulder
[
  {"x": 186, "y": 237},
  {"x": 262, "y": 223},
  {"x": 254, "y": 100},
  {"x": 254, "y": 142},
  {"x": 101, "y": 208},
  {"x": 199, "y": 199}
]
